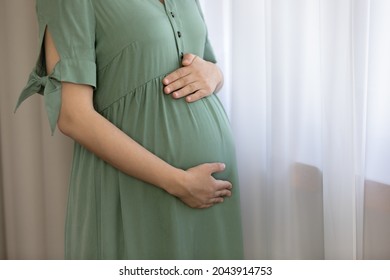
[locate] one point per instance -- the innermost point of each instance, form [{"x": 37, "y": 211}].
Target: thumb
[
  {"x": 188, "y": 58},
  {"x": 216, "y": 167}
]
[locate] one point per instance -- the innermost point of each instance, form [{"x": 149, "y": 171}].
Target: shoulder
[
  {"x": 62, "y": 2},
  {"x": 62, "y": 6}
]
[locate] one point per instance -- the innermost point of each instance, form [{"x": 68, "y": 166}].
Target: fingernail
[{"x": 223, "y": 166}]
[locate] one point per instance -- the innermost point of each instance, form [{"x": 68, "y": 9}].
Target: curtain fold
[
  {"x": 338, "y": 129},
  {"x": 361, "y": 16},
  {"x": 307, "y": 92}
]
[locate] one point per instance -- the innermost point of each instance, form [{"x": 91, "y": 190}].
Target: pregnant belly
[
  {"x": 184, "y": 135},
  {"x": 192, "y": 134}
]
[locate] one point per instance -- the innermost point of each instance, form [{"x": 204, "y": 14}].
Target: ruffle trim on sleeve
[{"x": 79, "y": 72}]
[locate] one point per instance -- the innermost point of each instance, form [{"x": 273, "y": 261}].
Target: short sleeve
[
  {"x": 72, "y": 26},
  {"x": 208, "y": 49}
]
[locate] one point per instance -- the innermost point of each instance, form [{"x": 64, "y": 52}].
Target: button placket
[{"x": 176, "y": 24}]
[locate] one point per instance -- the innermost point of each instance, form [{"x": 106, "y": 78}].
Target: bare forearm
[{"x": 109, "y": 143}]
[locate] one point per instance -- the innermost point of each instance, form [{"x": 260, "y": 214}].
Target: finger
[
  {"x": 186, "y": 90},
  {"x": 196, "y": 96},
  {"x": 180, "y": 84},
  {"x": 212, "y": 202},
  {"x": 175, "y": 75},
  {"x": 215, "y": 167},
  {"x": 188, "y": 59},
  {"x": 223, "y": 193},
  {"x": 223, "y": 185},
  {"x": 217, "y": 200}
]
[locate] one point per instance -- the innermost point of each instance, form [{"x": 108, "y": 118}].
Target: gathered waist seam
[{"x": 127, "y": 92}]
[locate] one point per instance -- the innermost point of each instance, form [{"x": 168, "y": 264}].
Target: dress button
[
  {"x": 172, "y": 14},
  {"x": 179, "y": 34}
]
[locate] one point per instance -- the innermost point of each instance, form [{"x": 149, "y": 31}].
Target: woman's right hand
[{"x": 199, "y": 189}]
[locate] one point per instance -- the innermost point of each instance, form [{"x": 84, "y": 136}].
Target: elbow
[
  {"x": 70, "y": 122},
  {"x": 75, "y": 123},
  {"x": 76, "y": 109},
  {"x": 65, "y": 125}
]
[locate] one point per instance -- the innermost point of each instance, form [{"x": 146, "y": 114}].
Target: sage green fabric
[{"x": 124, "y": 49}]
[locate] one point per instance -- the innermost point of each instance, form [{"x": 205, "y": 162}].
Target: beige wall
[{"x": 35, "y": 166}]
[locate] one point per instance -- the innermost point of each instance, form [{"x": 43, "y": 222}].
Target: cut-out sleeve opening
[{"x": 74, "y": 41}]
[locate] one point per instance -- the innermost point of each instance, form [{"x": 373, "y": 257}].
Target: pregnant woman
[{"x": 154, "y": 173}]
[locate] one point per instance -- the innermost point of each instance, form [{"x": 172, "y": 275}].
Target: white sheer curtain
[{"x": 308, "y": 93}]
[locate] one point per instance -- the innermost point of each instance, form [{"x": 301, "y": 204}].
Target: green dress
[{"x": 124, "y": 48}]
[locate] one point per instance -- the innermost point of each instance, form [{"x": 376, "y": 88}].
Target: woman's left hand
[{"x": 197, "y": 78}]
